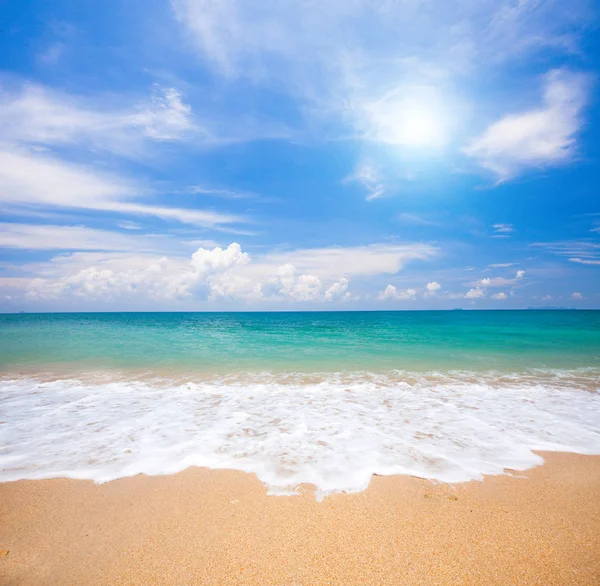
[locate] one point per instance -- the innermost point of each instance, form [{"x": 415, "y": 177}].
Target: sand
[{"x": 220, "y": 527}]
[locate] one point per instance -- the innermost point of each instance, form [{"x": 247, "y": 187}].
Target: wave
[{"x": 332, "y": 430}]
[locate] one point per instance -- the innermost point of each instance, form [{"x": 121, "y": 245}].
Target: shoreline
[{"x": 201, "y": 526}]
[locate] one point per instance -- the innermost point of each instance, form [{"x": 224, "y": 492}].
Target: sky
[{"x": 299, "y": 155}]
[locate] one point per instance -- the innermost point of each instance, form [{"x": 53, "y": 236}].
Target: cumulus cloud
[
  {"x": 537, "y": 138},
  {"x": 338, "y": 290},
  {"x": 501, "y": 295},
  {"x": 433, "y": 287},
  {"x": 157, "y": 280},
  {"x": 391, "y": 293},
  {"x": 217, "y": 260},
  {"x": 499, "y": 281},
  {"x": 232, "y": 286},
  {"x": 475, "y": 293},
  {"x": 576, "y": 295},
  {"x": 229, "y": 273},
  {"x": 286, "y": 283}
]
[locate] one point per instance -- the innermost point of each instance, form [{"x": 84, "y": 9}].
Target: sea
[{"x": 326, "y": 399}]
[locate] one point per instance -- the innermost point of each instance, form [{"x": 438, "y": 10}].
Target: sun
[
  {"x": 416, "y": 122},
  {"x": 419, "y": 127}
]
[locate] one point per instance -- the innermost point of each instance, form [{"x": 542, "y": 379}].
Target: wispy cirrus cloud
[
  {"x": 55, "y": 237},
  {"x": 367, "y": 63},
  {"x": 355, "y": 261},
  {"x": 585, "y": 261},
  {"x": 36, "y": 115},
  {"x": 538, "y": 138},
  {"x": 239, "y": 39},
  {"x": 40, "y": 180},
  {"x": 416, "y": 219},
  {"x": 367, "y": 174},
  {"x": 502, "y": 230},
  {"x": 584, "y": 252}
]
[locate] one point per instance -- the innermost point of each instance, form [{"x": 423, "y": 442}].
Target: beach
[
  {"x": 300, "y": 448},
  {"x": 203, "y": 526}
]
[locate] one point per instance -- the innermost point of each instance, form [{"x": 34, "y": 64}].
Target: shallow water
[{"x": 321, "y": 398}]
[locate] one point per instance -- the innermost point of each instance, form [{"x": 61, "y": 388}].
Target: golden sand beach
[{"x": 220, "y": 527}]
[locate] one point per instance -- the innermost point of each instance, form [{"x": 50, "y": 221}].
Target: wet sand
[{"x": 220, "y": 527}]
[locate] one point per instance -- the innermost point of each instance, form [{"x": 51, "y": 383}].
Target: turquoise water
[
  {"x": 327, "y": 399},
  {"x": 306, "y": 342}
]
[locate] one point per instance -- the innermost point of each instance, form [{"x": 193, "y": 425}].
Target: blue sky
[{"x": 393, "y": 154}]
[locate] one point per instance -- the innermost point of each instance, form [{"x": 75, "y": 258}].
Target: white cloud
[
  {"x": 234, "y": 286},
  {"x": 51, "y": 237},
  {"x": 577, "y": 295},
  {"x": 322, "y": 275},
  {"x": 369, "y": 176},
  {"x": 240, "y": 38},
  {"x": 584, "y": 261},
  {"x": 35, "y": 120},
  {"x": 37, "y": 115},
  {"x": 160, "y": 279},
  {"x": 285, "y": 283},
  {"x": 501, "y": 265},
  {"x": 221, "y": 193},
  {"x": 502, "y": 230},
  {"x": 338, "y": 290},
  {"x": 415, "y": 219},
  {"x": 433, "y": 286},
  {"x": 577, "y": 251},
  {"x": 213, "y": 261},
  {"x": 127, "y": 225},
  {"x": 42, "y": 180},
  {"x": 500, "y": 296},
  {"x": 498, "y": 281},
  {"x": 353, "y": 261},
  {"x": 367, "y": 63},
  {"x": 306, "y": 288},
  {"x": 537, "y": 138},
  {"x": 407, "y": 116},
  {"x": 475, "y": 293},
  {"x": 393, "y": 294}
]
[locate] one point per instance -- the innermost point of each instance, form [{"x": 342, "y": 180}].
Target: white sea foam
[{"x": 334, "y": 431}]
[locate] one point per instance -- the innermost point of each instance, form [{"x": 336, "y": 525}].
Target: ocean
[{"x": 324, "y": 398}]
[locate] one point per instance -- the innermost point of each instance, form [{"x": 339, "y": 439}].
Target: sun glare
[
  {"x": 411, "y": 122},
  {"x": 419, "y": 127}
]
